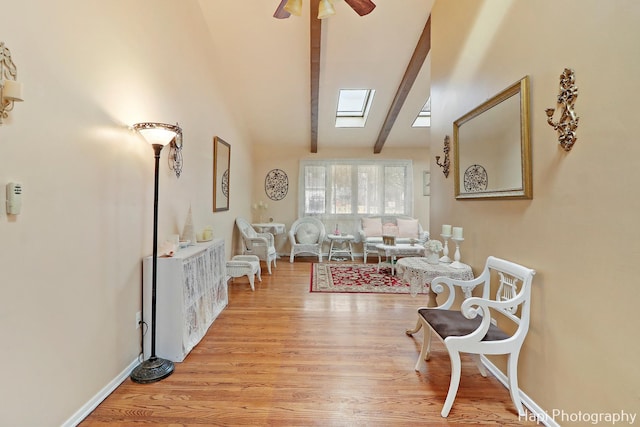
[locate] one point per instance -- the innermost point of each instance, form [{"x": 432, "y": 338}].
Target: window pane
[
  {"x": 394, "y": 190},
  {"x": 352, "y": 102},
  {"x": 314, "y": 193},
  {"x": 368, "y": 190},
  {"x": 341, "y": 189}
]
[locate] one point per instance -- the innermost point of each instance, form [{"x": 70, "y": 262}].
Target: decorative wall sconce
[
  {"x": 445, "y": 165},
  {"x": 175, "y": 154},
  {"x": 567, "y": 125},
  {"x": 10, "y": 89}
]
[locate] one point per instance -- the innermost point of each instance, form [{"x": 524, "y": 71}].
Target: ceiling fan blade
[
  {"x": 280, "y": 12},
  {"x": 362, "y": 7}
]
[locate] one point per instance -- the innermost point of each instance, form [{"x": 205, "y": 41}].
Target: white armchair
[
  {"x": 306, "y": 235},
  {"x": 484, "y": 325},
  {"x": 260, "y": 244}
]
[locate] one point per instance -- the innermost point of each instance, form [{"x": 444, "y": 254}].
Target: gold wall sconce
[
  {"x": 567, "y": 125},
  {"x": 10, "y": 88},
  {"x": 446, "y": 163}
]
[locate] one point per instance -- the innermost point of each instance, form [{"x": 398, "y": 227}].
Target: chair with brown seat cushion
[{"x": 487, "y": 324}]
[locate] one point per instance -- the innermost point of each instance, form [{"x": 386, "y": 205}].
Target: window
[
  {"x": 353, "y": 107},
  {"x": 424, "y": 116},
  {"x": 342, "y": 191}
]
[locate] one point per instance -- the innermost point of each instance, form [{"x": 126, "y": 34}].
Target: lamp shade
[
  {"x": 294, "y": 7},
  {"x": 12, "y": 90},
  {"x": 157, "y": 133},
  {"x": 325, "y": 9}
]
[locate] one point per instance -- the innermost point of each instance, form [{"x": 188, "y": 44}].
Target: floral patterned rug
[{"x": 355, "y": 278}]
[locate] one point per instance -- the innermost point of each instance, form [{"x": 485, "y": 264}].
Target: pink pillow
[
  {"x": 372, "y": 227},
  {"x": 408, "y": 228},
  {"x": 389, "y": 229}
]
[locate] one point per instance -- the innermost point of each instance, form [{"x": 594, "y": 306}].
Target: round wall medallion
[
  {"x": 475, "y": 179},
  {"x": 276, "y": 184},
  {"x": 225, "y": 183}
]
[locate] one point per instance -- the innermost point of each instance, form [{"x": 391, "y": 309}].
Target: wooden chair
[
  {"x": 261, "y": 245},
  {"x": 484, "y": 325},
  {"x": 306, "y": 235}
]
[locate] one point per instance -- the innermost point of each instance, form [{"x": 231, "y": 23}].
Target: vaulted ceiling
[{"x": 271, "y": 67}]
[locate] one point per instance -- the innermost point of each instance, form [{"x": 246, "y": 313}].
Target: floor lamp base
[{"x": 152, "y": 370}]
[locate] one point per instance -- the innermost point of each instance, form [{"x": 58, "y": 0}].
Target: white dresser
[{"x": 191, "y": 291}]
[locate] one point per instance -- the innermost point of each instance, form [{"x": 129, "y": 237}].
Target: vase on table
[{"x": 433, "y": 257}]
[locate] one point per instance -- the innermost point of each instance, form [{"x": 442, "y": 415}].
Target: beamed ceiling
[{"x": 283, "y": 76}]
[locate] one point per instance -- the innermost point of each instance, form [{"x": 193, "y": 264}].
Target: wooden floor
[{"x": 282, "y": 356}]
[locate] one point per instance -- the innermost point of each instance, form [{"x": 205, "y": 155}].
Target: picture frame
[
  {"x": 426, "y": 183},
  {"x": 221, "y": 174}
]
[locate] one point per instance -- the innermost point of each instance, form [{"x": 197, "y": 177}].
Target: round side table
[{"x": 341, "y": 244}]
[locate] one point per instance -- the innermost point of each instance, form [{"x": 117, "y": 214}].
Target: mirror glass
[
  {"x": 221, "y": 163},
  {"x": 492, "y": 153}
]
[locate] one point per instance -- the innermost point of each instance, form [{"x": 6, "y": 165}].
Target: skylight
[
  {"x": 424, "y": 116},
  {"x": 353, "y": 107}
]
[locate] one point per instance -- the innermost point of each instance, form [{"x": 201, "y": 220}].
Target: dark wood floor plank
[{"x": 282, "y": 356}]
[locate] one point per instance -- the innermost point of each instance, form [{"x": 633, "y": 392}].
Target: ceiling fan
[{"x": 288, "y": 7}]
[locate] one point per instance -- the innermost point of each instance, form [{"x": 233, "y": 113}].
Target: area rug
[{"x": 362, "y": 278}]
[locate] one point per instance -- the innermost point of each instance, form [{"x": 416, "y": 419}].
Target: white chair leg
[
  {"x": 269, "y": 266},
  {"x": 512, "y": 372},
  {"x": 291, "y": 256},
  {"x": 416, "y": 329},
  {"x": 456, "y": 368},
  {"x": 259, "y": 273},
  {"x": 425, "y": 349},
  {"x": 251, "y": 279},
  {"x": 481, "y": 368}
]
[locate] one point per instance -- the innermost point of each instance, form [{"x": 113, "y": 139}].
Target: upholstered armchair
[
  {"x": 490, "y": 324},
  {"x": 306, "y": 235},
  {"x": 261, "y": 245}
]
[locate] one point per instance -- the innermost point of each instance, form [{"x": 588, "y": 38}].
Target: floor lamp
[{"x": 155, "y": 368}]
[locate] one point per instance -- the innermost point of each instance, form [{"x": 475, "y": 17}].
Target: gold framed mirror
[
  {"x": 221, "y": 167},
  {"x": 491, "y": 147}
]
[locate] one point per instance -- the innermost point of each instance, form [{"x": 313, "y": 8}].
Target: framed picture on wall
[{"x": 426, "y": 183}]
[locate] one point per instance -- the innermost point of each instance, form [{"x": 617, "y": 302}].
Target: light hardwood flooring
[{"x": 282, "y": 356}]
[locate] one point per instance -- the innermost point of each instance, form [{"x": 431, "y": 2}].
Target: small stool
[{"x": 245, "y": 265}]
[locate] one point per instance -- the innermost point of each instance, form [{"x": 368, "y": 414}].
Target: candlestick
[
  {"x": 445, "y": 249},
  {"x": 456, "y": 257},
  {"x": 457, "y": 232}
]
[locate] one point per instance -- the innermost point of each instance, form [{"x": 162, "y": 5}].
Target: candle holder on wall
[
  {"x": 567, "y": 125},
  {"x": 446, "y": 163}
]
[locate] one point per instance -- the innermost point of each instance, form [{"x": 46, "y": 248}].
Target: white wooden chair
[
  {"x": 479, "y": 327},
  {"x": 261, "y": 245},
  {"x": 306, "y": 235}
]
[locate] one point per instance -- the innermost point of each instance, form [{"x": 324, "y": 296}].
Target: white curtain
[{"x": 341, "y": 192}]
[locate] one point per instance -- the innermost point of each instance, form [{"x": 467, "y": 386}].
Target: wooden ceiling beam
[
  {"x": 315, "y": 47},
  {"x": 417, "y": 59}
]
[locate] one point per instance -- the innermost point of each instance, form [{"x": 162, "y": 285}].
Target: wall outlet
[{"x": 138, "y": 319}]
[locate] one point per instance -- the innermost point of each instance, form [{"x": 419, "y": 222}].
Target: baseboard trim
[
  {"x": 93, "y": 403},
  {"x": 538, "y": 414}
]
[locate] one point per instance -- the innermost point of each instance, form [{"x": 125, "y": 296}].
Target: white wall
[
  {"x": 580, "y": 230},
  {"x": 71, "y": 261}
]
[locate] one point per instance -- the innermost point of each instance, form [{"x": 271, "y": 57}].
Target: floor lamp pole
[{"x": 155, "y": 368}]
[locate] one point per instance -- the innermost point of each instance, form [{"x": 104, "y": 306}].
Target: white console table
[{"x": 191, "y": 291}]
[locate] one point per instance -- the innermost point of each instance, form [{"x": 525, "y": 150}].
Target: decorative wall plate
[
  {"x": 276, "y": 184},
  {"x": 475, "y": 179}
]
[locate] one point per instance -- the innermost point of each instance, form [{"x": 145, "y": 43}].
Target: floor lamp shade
[{"x": 155, "y": 368}]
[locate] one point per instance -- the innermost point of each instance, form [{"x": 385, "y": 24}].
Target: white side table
[
  {"x": 392, "y": 252},
  {"x": 341, "y": 244}
]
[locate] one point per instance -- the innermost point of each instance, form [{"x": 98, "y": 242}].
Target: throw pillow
[
  {"x": 307, "y": 234},
  {"x": 408, "y": 228},
  {"x": 372, "y": 227},
  {"x": 389, "y": 229}
]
